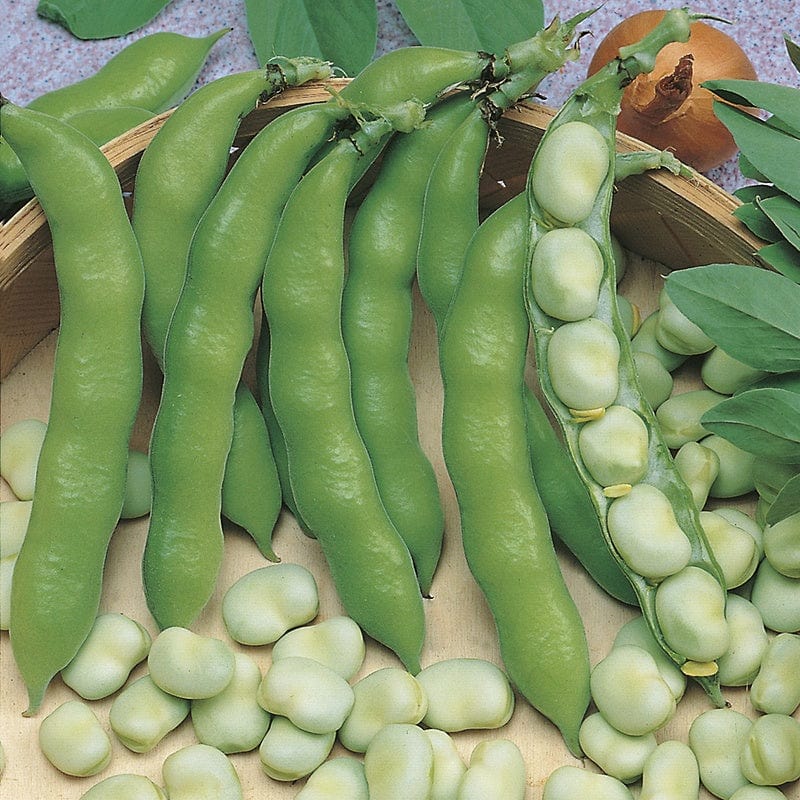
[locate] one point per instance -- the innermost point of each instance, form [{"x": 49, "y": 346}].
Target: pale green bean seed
[
  {"x": 629, "y": 315},
  {"x": 265, "y": 603},
  {"x": 614, "y": 447},
  {"x": 725, "y": 374},
  {"x": 114, "y": 646},
  {"x": 643, "y": 527},
  {"x": 782, "y": 545},
  {"x": 288, "y": 753},
  {"x": 620, "y": 258},
  {"x": 336, "y": 779},
  {"x": 671, "y": 773},
  {"x": 200, "y": 772},
  {"x": 740, "y": 663},
  {"x": 776, "y": 688},
  {"x": 734, "y": 549},
  {"x": 448, "y": 766},
  {"x": 125, "y": 787},
  {"x": 616, "y": 753},
  {"x": 73, "y": 740},
  {"x": 690, "y": 608},
  {"x": 337, "y": 642},
  {"x": 742, "y": 520},
  {"x": 645, "y": 342},
  {"x": 186, "y": 664},
  {"x": 771, "y": 752},
  {"x": 14, "y": 518},
  {"x": 496, "y": 771},
  {"x": 570, "y": 783},
  {"x": 142, "y": 714},
  {"x": 385, "y": 696},
  {"x": 777, "y": 597},
  {"x": 233, "y": 721},
  {"x": 583, "y": 362},
  {"x": 311, "y": 695},
  {"x": 20, "y": 445},
  {"x": 699, "y": 467},
  {"x": 569, "y": 170},
  {"x": 655, "y": 380},
  {"x": 566, "y": 270},
  {"x": 676, "y": 332},
  {"x": 630, "y": 693},
  {"x": 736, "y": 476},
  {"x": 466, "y": 694},
  {"x": 138, "y": 486},
  {"x": 716, "y": 737},
  {"x": 399, "y": 764},
  {"x": 679, "y": 416},
  {"x": 753, "y": 792},
  {"x": 637, "y": 632}
]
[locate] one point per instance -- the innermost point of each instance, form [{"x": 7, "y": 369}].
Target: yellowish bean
[
  {"x": 776, "y": 688},
  {"x": 233, "y": 721},
  {"x": 690, "y": 607},
  {"x": 125, "y": 787},
  {"x": 448, "y": 766},
  {"x": 671, "y": 773},
  {"x": 288, "y": 753},
  {"x": 569, "y": 170},
  {"x": 699, "y": 467},
  {"x": 115, "y": 645},
  {"x": 736, "y": 475},
  {"x": 385, "y": 696},
  {"x": 616, "y": 753},
  {"x": 742, "y": 660},
  {"x": 725, "y": 374},
  {"x": 734, "y": 549},
  {"x": 655, "y": 379},
  {"x": 73, "y": 740},
  {"x": 19, "y": 455},
  {"x": 337, "y": 642},
  {"x": 771, "y": 752},
  {"x": 570, "y": 783},
  {"x": 336, "y": 779},
  {"x": 496, "y": 771},
  {"x": 311, "y": 695},
  {"x": 200, "y": 772},
  {"x": 186, "y": 664},
  {"x": 679, "y": 416},
  {"x": 265, "y": 603},
  {"x": 142, "y": 714},
  {"x": 678, "y": 333},
  {"x": 399, "y": 764},
  {"x": 466, "y": 694},
  {"x": 782, "y": 545},
  {"x": 777, "y": 597}
]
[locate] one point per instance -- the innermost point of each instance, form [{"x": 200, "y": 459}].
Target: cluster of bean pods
[{"x": 331, "y": 429}]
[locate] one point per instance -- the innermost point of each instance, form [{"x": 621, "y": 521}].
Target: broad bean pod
[
  {"x": 96, "y": 389},
  {"x": 309, "y": 388},
  {"x": 177, "y": 177},
  {"x": 153, "y": 72},
  {"x": 482, "y": 356},
  {"x": 583, "y": 131},
  {"x": 194, "y": 425}
]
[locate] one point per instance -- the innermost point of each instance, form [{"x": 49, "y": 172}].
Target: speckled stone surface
[{"x": 37, "y": 55}]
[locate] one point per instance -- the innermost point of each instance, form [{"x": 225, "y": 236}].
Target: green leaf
[
  {"x": 774, "y": 98},
  {"x": 790, "y": 381},
  {"x": 784, "y": 212},
  {"x": 783, "y": 258},
  {"x": 341, "y": 31},
  {"x": 100, "y": 19},
  {"x": 471, "y": 24},
  {"x": 749, "y": 171},
  {"x": 757, "y": 222},
  {"x": 794, "y": 52},
  {"x": 765, "y": 422},
  {"x": 748, "y": 194},
  {"x": 787, "y": 501},
  {"x": 769, "y": 149},
  {"x": 752, "y": 314}
]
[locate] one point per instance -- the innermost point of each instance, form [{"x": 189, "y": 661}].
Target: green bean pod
[
  {"x": 212, "y": 326},
  {"x": 592, "y": 109},
  {"x": 504, "y": 527},
  {"x": 96, "y": 389},
  {"x": 102, "y": 125},
  {"x": 177, "y": 177},
  {"x": 309, "y": 386},
  {"x": 376, "y": 325},
  {"x": 153, "y": 72}
]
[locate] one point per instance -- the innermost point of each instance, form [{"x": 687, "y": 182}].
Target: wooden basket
[{"x": 671, "y": 222}]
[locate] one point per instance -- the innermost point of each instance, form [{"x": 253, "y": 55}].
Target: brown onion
[{"x": 668, "y": 108}]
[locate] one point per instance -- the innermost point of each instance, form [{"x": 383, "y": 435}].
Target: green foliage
[{"x": 100, "y": 19}]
